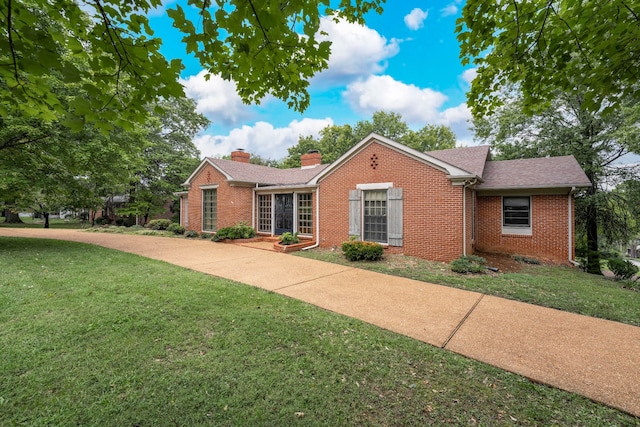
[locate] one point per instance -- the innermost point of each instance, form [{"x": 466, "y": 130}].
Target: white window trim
[
  {"x": 517, "y": 231},
  {"x": 209, "y": 187},
  {"x": 375, "y": 186}
]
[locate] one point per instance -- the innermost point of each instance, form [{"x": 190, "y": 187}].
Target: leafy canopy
[
  {"x": 544, "y": 46},
  {"x": 268, "y": 47},
  {"x": 336, "y": 140}
]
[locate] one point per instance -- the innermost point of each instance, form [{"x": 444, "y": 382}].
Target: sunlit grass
[{"x": 92, "y": 336}]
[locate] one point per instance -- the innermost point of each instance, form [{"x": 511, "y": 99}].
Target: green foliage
[
  {"x": 109, "y": 50},
  {"x": 545, "y": 47},
  {"x": 288, "y": 238},
  {"x": 190, "y": 234},
  {"x": 241, "y": 230},
  {"x": 336, "y": 140},
  {"x": 356, "y": 250},
  {"x": 136, "y": 227},
  {"x": 101, "y": 220},
  {"x": 468, "y": 264},
  {"x": 206, "y": 235},
  {"x": 159, "y": 224},
  {"x": 622, "y": 268},
  {"x": 526, "y": 260},
  {"x": 176, "y": 228}
]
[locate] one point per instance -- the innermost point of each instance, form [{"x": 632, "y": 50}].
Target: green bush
[
  {"x": 622, "y": 269},
  {"x": 206, "y": 235},
  {"x": 175, "y": 228},
  {"x": 468, "y": 264},
  {"x": 241, "y": 230},
  {"x": 355, "y": 250},
  {"x": 191, "y": 234},
  {"x": 136, "y": 227},
  {"x": 289, "y": 239},
  {"x": 159, "y": 224},
  {"x": 102, "y": 220},
  {"x": 526, "y": 260}
]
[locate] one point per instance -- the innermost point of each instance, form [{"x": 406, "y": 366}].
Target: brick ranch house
[{"x": 436, "y": 205}]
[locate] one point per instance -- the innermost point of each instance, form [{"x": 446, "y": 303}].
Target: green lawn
[
  {"x": 564, "y": 288},
  {"x": 95, "y": 337},
  {"x": 28, "y": 222}
]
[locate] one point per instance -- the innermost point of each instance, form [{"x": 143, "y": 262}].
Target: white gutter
[
  {"x": 253, "y": 206},
  {"x": 317, "y": 222},
  {"x": 570, "y": 223}
]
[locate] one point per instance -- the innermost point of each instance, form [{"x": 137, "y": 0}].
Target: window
[
  {"x": 209, "y": 209},
  {"x": 305, "y": 214},
  {"x": 375, "y": 216},
  {"x": 516, "y": 212},
  {"x": 264, "y": 213}
]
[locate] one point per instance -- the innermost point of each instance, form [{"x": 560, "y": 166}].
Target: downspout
[
  {"x": 570, "y": 227},
  {"x": 317, "y": 221},
  {"x": 253, "y": 206},
  {"x": 464, "y": 214}
]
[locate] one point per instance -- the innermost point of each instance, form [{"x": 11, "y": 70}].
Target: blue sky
[{"x": 405, "y": 61}]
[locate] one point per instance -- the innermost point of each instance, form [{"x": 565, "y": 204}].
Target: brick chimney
[
  {"x": 312, "y": 158},
  {"x": 240, "y": 156}
]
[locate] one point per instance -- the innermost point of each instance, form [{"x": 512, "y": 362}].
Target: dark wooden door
[{"x": 284, "y": 213}]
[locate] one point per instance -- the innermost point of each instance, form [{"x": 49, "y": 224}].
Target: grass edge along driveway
[{"x": 93, "y": 336}]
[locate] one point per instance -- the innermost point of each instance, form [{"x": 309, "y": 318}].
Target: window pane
[
  {"x": 209, "y": 210},
  {"x": 516, "y": 211},
  {"x": 305, "y": 214},
  {"x": 375, "y": 216},
  {"x": 264, "y": 213}
]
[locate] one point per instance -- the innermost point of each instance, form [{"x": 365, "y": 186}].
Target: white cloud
[
  {"x": 216, "y": 98},
  {"x": 469, "y": 75},
  {"x": 449, "y": 10},
  {"x": 261, "y": 138},
  {"x": 356, "y": 50},
  {"x": 160, "y": 10},
  {"x": 418, "y": 106},
  {"x": 384, "y": 93},
  {"x": 415, "y": 19}
]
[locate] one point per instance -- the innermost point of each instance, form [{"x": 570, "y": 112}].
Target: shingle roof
[
  {"x": 546, "y": 172},
  {"x": 471, "y": 159},
  {"x": 264, "y": 175}
]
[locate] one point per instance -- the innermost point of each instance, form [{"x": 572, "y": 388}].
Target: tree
[
  {"x": 548, "y": 46},
  {"x": 168, "y": 159},
  {"x": 598, "y": 141},
  {"x": 270, "y": 48},
  {"x": 336, "y": 140}
]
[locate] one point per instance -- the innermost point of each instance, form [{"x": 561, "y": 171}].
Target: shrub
[
  {"x": 355, "y": 250},
  {"x": 175, "y": 228},
  {"x": 136, "y": 227},
  {"x": 526, "y": 260},
  {"x": 242, "y": 230},
  {"x": 205, "y": 235},
  {"x": 102, "y": 220},
  {"x": 191, "y": 234},
  {"x": 468, "y": 264},
  {"x": 289, "y": 239},
  {"x": 622, "y": 269},
  {"x": 159, "y": 224}
]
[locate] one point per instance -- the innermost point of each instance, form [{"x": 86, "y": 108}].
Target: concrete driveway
[{"x": 596, "y": 358}]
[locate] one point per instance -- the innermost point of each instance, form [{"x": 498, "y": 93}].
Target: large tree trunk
[
  {"x": 593, "y": 255},
  {"x": 12, "y": 217},
  {"x": 46, "y": 219}
]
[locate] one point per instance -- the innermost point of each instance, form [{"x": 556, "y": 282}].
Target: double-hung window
[
  {"x": 375, "y": 216},
  {"x": 305, "y": 214},
  {"x": 516, "y": 215}
]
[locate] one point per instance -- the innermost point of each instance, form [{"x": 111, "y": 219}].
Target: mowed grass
[
  {"x": 563, "y": 288},
  {"x": 95, "y": 337},
  {"x": 29, "y": 222}
]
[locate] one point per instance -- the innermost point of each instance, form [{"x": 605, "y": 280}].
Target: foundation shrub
[
  {"x": 468, "y": 264},
  {"x": 159, "y": 224},
  {"x": 175, "y": 228},
  {"x": 355, "y": 250},
  {"x": 241, "y": 230},
  {"x": 289, "y": 238},
  {"x": 191, "y": 234}
]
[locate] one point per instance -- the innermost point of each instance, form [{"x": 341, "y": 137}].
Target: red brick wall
[
  {"x": 234, "y": 203},
  {"x": 432, "y": 217},
  {"x": 549, "y": 238}
]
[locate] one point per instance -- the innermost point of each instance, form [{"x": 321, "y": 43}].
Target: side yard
[{"x": 563, "y": 288}]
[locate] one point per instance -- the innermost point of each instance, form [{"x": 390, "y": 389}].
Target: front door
[{"x": 284, "y": 213}]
